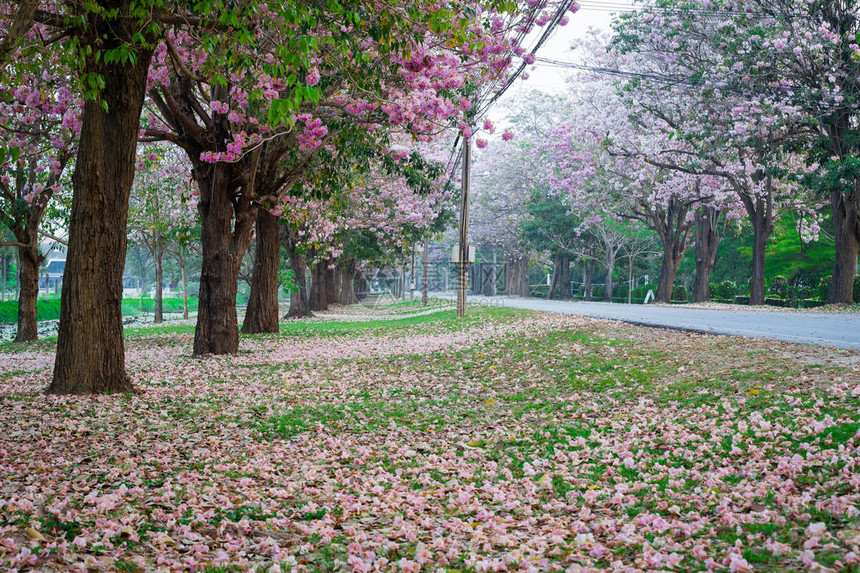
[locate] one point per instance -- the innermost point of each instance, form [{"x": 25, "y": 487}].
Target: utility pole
[
  {"x": 425, "y": 261},
  {"x": 462, "y": 263}
]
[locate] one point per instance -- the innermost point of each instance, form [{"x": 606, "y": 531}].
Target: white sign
[{"x": 455, "y": 254}]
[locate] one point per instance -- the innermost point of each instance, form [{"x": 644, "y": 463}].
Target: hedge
[
  {"x": 132, "y": 306},
  {"x": 45, "y": 310},
  {"x": 50, "y": 309}
]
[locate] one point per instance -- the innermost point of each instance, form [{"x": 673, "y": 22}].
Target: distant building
[{"x": 51, "y": 282}]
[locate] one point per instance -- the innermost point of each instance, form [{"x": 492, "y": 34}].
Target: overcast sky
[{"x": 551, "y": 79}]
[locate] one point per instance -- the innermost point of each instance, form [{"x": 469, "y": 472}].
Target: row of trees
[
  {"x": 691, "y": 117},
  {"x": 280, "y": 110}
]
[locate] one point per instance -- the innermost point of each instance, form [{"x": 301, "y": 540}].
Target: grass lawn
[{"x": 389, "y": 440}]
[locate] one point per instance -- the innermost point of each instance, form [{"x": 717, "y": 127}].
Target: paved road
[{"x": 824, "y": 329}]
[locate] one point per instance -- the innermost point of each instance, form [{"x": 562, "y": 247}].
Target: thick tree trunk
[
  {"x": 299, "y": 303},
  {"x": 846, "y": 222},
  {"x": 707, "y": 242},
  {"x": 361, "y": 285},
  {"x": 514, "y": 276},
  {"x": 217, "y": 330},
  {"x": 564, "y": 278},
  {"x": 332, "y": 283},
  {"x": 318, "y": 287},
  {"x": 158, "y": 259},
  {"x": 262, "y": 313},
  {"x": 28, "y": 272},
  {"x": 560, "y": 289},
  {"x": 759, "y": 208},
  {"x": 90, "y": 348},
  {"x": 761, "y": 216},
  {"x": 348, "y": 272},
  {"x": 668, "y": 270},
  {"x": 610, "y": 270},
  {"x": 670, "y": 224}
]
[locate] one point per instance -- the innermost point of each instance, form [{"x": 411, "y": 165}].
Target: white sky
[{"x": 551, "y": 79}]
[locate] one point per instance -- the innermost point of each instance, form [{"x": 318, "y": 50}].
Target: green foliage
[
  {"x": 800, "y": 263},
  {"x": 823, "y": 288},
  {"x": 133, "y": 306},
  {"x": 640, "y": 292},
  {"x": 287, "y": 280},
  {"x": 778, "y": 286},
  {"x": 725, "y": 290},
  {"x": 679, "y": 294},
  {"x": 539, "y": 291},
  {"x": 45, "y": 310}
]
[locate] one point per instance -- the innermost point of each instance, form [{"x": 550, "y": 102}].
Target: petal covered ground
[{"x": 507, "y": 441}]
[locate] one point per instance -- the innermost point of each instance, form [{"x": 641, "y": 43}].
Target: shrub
[
  {"x": 641, "y": 292},
  {"x": 539, "y": 291},
  {"x": 778, "y": 286},
  {"x": 725, "y": 290},
  {"x": 823, "y": 288},
  {"x": 856, "y": 290},
  {"x": 679, "y": 294},
  {"x": 742, "y": 300},
  {"x": 791, "y": 296}
]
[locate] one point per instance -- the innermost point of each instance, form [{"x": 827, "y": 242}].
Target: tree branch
[{"x": 53, "y": 238}]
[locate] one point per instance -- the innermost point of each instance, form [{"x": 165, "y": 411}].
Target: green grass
[
  {"x": 446, "y": 319},
  {"x": 49, "y": 309}
]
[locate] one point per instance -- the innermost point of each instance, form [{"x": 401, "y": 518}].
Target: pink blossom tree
[
  {"x": 161, "y": 212},
  {"x": 38, "y": 139}
]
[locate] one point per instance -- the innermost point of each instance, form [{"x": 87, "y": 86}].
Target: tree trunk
[
  {"x": 348, "y": 272},
  {"x": 332, "y": 282},
  {"x": 158, "y": 259},
  {"x": 262, "y": 313},
  {"x": 90, "y": 347},
  {"x": 588, "y": 278},
  {"x": 184, "y": 288},
  {"x": 556, "y": 278},
  {"x": 759, "y": 208},
  {"x": 670, "y": 224},
  {"x": 299, "y": 303},
  {"x": 28, "y": 271},
  {"x": 761, "y": 218},
  {"x": 668, "y": 270},
  {"x": 361, "y": 283},
  {"x": 217, "y": 330},
  {"x": 707, "y": 243},
  {"x": 610, "y": 269},
  {"x": 564, "y": 278},
  {"x": 318, "y": 287},
  {"x": 846, "y": 235},
  {"x": 629, "y": 279}
]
